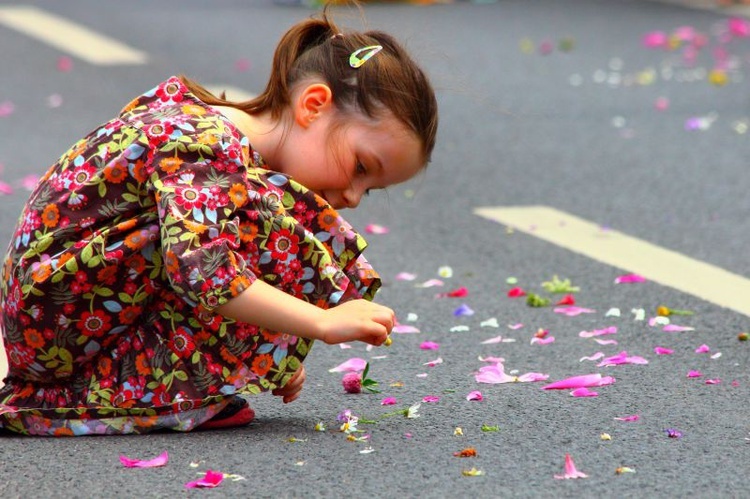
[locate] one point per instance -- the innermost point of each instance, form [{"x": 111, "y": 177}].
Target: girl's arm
[{"x": 265, "y": 306}]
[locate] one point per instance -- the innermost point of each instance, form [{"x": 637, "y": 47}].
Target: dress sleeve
[{"x": 199, "y": 181}]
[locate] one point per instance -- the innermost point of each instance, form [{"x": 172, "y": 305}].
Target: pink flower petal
[
  {"x": 210, "y": 480},
  {"x": 629, "y": 278},
  {"x": 714, "y": 381},
  {"x": 433, "y": 363},
  {"x": 622, "y": 358},
  {"x": 663, "y": 351},
  {"x": 159, "y": 460},
  {"x": 596, "y": 356},
  {"x": 430, "y": 284},
  {"x": 531, "y": 377},
  {"x": 694, "y": 374},
  {"x": 405, "y": 276},
  {"x": 404, "y": 329},
  {"x": 572, "y": 311},
  {"x": 6, "y": 108},
  {"x": 429, "y": 345},
  {"x": 492, "y": 341},
  {"x": 739, "y": 27},
  {"x": 629, "y": 419},
  {"x": 655, "y": 39},
  {"x": 5, "y": 188},
  {"x": 29, "y": 182},
  {"x": 570, "y": 470},
  {"x": 354, "y": 364},
  {"x": 605, "y": 342},
  {"x": 388, "y": 401},
  {"x": 492, "y": 359},
  {"x": 702, "y": 349},
  {"x": 518, "y": 325},
  {"x": 567, "y": 300},
  {"x": 456, "y": 293},
  {"x": 543, "y": 341},
  {"x": 674, "y": 328},
  {"x": 583, "y": 392},
  {"x": 64, "y": 64},
  {"x": 585, "y": 380},
  {"x": 376, "y": 229},
  {"x": 475, "y": 395},
  {"x": 598, "y": 332},
  {"x": 430, "y": 399},
  {"x": 516, "y": 293},
  {"x": 493, "y": 374}
]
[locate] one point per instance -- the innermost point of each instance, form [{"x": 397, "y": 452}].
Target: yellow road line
[
  {"x": 69, "y": 37},
  {"x": 660, "y": 265}
]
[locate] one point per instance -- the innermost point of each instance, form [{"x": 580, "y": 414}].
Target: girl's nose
[{"x": 352, "y": 197}]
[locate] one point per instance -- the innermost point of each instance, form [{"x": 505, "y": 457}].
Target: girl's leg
[{"x": 237, "y": 413}]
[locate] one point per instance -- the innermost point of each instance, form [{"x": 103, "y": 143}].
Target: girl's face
[{"x": 343, "y": 160}]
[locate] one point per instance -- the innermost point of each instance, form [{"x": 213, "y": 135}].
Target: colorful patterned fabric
[{"x": 123, "y": 251}]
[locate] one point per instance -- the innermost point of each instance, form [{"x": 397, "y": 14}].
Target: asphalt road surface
[{"x": 544, "y": 103}]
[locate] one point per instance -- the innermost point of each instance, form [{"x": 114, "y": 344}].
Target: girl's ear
[{"x": 313, "y": 101}]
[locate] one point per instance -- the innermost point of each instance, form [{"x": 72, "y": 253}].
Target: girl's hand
[
  {"x": 292, "y": 389},
  {"x": 357, "y": 320}
]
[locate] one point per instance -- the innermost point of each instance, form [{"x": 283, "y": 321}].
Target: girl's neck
[{"x": 263, "y": 132}]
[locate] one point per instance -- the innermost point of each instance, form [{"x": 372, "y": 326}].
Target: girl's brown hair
[{"x": 316, "y": 48}]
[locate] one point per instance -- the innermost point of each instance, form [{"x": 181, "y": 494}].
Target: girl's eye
[{"x": 361, "y": 170}]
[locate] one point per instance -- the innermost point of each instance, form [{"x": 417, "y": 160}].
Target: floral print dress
[{"x": 123, "y": 251}]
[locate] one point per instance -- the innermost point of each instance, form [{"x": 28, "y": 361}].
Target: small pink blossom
[
  {"x": 159, "y": 460},
  {"x": 629, "y": 278},
  {"x": 475, "y": 395},
  {"x": 572, "y": 311},
  {"x": 663, "y": 351},
  {"x": 352, "y": 382},
  {"x": 210, "y": 480},
  {"x": 629, "y": 419},
  {"x": 694, "y": 374},
  {"x": 583, "y": 392},
  {"x": 570, "y": 470},
  {"x": 702, "y": 349},
  {"x": 388, "y": 401},
  {"x": 739, "y": 27}
]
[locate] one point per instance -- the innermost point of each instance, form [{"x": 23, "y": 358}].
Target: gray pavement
[{"x": 571, "y": 130}]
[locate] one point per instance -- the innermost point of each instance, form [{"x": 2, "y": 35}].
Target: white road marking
[
  {"x": 69, "y": 37},
  {"x": 614, "y": 248}
]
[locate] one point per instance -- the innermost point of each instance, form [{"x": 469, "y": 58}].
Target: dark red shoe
[{"x": 237, "y": 413}]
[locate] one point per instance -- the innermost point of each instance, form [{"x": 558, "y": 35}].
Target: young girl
[{"x": 190, "y": 250}]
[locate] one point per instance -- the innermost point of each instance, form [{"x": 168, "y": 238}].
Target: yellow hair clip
[{"x": 355, "y": 61}]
